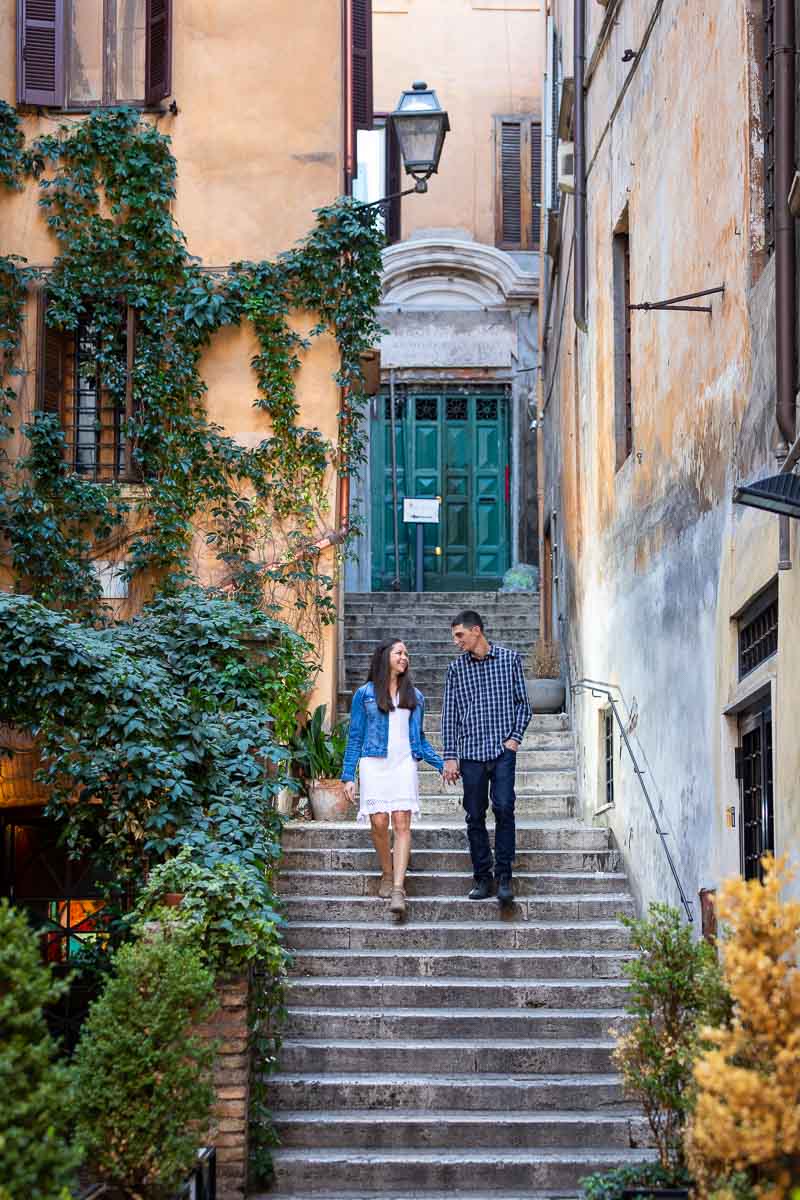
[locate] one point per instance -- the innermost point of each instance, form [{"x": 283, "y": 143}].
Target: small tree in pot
[
  {"x": 142, "y": 1075},
  {"x": 320, "y": 752},
  {"x": 675, "y": 989}
]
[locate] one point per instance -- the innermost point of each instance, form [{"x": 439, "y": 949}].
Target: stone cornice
[{"x": 452, "y": 273}]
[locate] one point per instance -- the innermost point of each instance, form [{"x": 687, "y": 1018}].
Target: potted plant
[
  {"x": 142, "y": 1074},
  {"x": 321, "y": 754},
  {"x": 35, "y": 1152},
  {"x": 744, "y": 1134},
  {"x": 546, "y": 689},
  {"x": 675, "y": 988}
]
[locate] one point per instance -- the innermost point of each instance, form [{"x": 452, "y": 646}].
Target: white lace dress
[{"x": 390, "y": 784}]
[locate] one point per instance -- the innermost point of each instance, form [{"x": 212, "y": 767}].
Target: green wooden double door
[{"x": 452, "y": 443}]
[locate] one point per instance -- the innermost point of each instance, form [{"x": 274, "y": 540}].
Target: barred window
[{"x": 758, "y": 631}]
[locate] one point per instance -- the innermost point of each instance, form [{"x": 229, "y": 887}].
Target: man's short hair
[{"x": 469, "y": 619}]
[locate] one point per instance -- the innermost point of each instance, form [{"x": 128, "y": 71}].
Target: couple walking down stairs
[{"x": 463, "y": 1052}]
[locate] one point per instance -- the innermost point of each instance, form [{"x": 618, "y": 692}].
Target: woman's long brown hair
[{"x": 380, "y": 674}]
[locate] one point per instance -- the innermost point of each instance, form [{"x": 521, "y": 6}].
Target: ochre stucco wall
[
  {"x": 259, "y": 146},
  {"x": 656, "y": 561},
  {"x": 483, "y": 57}
]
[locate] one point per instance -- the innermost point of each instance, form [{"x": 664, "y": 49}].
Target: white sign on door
[{"x": 423, "y": 512}]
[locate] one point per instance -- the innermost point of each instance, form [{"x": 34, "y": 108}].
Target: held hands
[
  {"x": 450, "y": 771},
  {"x": 512, "y": 744},
  {"x": 350, "y": 791}
]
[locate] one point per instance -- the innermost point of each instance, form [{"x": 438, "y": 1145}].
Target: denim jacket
[{"x": 369, "y": 733}]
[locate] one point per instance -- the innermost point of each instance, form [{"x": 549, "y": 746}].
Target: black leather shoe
[
  {"x": 505, "y": 895},
  {"x": 482, "y": 890}
]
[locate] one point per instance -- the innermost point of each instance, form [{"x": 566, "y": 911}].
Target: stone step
[
  {"x": 539, "y": 722},
  {"x": 322, "y": 1092},
  {"x": 416, "y": 1194},
  {"x": 366, "y": 909},
  {"x": 485, "y": 995},
  {"x": 417, "y": 1057},
  {"x": 476, "y": 935},
  {"x": 447, "y": 806},
  {"x": 452, "y": 1129},
  {"x": 490, "y": 964},
  {"x": 451, "y": 861},
  {"x": 491, "y": 1168},
  {"x": 503, "y": 1024},
  {"x": 532, "y": 782},
  {"x": 527, "y": 760},
  {"x": 406, "y": 600},
  {"x": 310, "y": 835},
  {"x": 359, "y": 883}
]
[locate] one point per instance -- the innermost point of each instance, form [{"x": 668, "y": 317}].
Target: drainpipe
[
  {"x": 785, "y": 285},
  {"x": 579, "y": 70}
]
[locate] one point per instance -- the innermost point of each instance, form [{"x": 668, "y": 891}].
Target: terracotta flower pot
[
  {"x": 329, "y": 801},
  {"x": 173, "y": 899}
]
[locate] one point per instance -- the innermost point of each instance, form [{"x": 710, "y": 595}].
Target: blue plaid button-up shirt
[{"x": 485, "y": 704}]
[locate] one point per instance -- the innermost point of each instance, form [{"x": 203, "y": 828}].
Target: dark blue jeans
[{"x": 479, "y": 779}]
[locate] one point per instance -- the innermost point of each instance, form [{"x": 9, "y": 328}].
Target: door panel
[{"x": 452, "y": 443}]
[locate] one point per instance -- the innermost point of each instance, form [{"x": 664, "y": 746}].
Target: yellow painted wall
[
  {"x": 484, "y": 58},
  {"x": 259, "y": 145}
]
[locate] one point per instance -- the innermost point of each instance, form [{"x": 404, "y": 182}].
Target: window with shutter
[
  {"x": 361, "y": 64},
  {"x": 70, "y": 385},
  {"x": 158, "y": 50},
  {"x": 83, "y": 54},
  {"x": 40, "y": 52},
  {"x": 518, "y": 182}
]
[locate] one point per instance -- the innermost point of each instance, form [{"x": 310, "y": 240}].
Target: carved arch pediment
[{"x": 451, "y": 273}]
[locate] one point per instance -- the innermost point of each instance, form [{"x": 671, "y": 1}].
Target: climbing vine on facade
[{"x": 106, "y": 186}]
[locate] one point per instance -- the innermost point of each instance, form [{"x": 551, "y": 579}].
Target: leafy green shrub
[
  {"x": 226, "y": 913},
  {"x": 143, "y": 1089},
  {"x": 610, "y": 1185},
  {"x": 675, "y": 988},
  {"x": 36, "y": 1160},
  {"x": 321, "y": 752}
]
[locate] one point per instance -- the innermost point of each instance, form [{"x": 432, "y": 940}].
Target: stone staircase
[{"x": 463, "y": 1051}]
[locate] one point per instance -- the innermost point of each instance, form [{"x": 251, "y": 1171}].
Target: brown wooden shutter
[
  {"x": 158, "y": 50},
  {"x": 52, "y": 360},
  {"x": 361, "y": 56},
  {"x": 510, "y": 183},
  {"x": 536, "y": 184},
  {"x": 393, "y": 173},
  {"x": 40, "y": 52}
]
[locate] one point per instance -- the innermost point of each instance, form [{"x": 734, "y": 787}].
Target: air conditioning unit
[{"x": 566, "y": 166}]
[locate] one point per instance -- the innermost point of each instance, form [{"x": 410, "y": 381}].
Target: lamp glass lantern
[{"x": 420, "y": 124}]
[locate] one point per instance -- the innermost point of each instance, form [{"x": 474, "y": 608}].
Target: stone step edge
[
  {"x": 357, "y": 1155},
  {"x": 456, "y": 1116},
  {"x": 589, "y": 925},
  {"x": 566, "y": 1014},
  {"x": 314, "y": 1043},
  {"x": 416, "y": 1194},
  {"x": 521, "y": 1082}
]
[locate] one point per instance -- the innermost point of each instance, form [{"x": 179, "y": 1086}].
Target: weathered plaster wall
[
  {"x": 483, "y": 57},
  {"x": 658, "y": 561},
  {"x": 258, "y": 140}
]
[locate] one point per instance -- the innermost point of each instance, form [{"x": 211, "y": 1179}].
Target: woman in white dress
[{"x": 385, "y": 742}]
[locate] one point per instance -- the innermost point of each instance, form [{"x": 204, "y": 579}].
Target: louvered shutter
[
  {"x": 536, "y": 184},
  {"x": 510, "y": 183},
  {"x": 393, "y": 170},
  {"x": 158, "y": 50},
  {"x": 40, "y": 52},
  {"x": 361, "y": 69},
  {"x": 53, "y": 347}
]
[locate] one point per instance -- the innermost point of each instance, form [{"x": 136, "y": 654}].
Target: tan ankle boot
[
  {"x": 385, "y": 887},
  {"x": 398, "y": 904}
]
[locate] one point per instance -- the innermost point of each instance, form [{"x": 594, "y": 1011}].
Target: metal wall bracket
[{"x": 674, "y": 303}]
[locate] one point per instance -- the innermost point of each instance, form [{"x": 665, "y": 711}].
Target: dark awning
[{"x": 777, "y": 494}]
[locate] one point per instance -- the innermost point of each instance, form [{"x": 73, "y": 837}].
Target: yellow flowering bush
[{"x": 745, "y": 1131}]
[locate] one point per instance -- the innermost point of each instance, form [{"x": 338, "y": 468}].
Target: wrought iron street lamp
[{"x": 420, "y": 125}]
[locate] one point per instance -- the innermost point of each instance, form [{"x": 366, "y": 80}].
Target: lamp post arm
[{"x": 420, "y": 186}]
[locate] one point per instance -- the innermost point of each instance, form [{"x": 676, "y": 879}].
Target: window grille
[
  {"x": 427, "y": 408},
  {"x": 754, "y": 770},
  {"x": 399, "y": 407},
  {"x": 758, "y": 631},
  {"x": 486, "y": 408},
  {"x": 608, "y": 746},
  {"x": 457, "y": 408}
]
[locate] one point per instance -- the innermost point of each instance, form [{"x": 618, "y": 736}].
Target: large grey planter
[{"x": 546, "y": 695}]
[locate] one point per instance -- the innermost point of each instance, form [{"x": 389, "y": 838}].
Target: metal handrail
[{"x": 599, "y": 688}]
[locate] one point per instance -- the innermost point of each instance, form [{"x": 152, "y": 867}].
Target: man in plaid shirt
[{"x": 484, "y": 716}]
